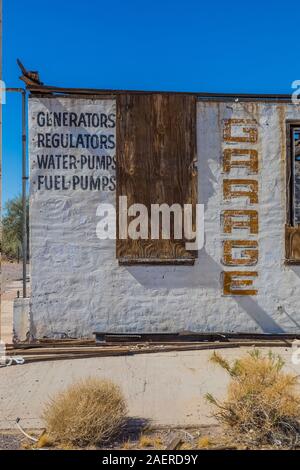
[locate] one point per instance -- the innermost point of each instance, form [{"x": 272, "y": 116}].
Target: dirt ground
[
  {"x": 11, "y": 287},
  {"x": 10, "y": 272},
  {"x": 201, "y": 438},
  {"x": 133, "y": 438},
  {"x": 9, "y": 440}
]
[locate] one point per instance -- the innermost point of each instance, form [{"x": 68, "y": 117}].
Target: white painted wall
[{"x": 78, "y": 286}]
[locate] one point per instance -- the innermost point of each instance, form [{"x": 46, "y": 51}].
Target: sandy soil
[{"x": 9, "y": 440}]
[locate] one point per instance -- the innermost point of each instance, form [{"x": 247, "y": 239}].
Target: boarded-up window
[
  {"x": 296, "y": 176},
  {"x": 156, "y": 164},
  {"x": 293, "y": 194}
]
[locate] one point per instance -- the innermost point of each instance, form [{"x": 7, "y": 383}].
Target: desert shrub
[
  {"x": 89, "y": 412},
  {"x": 150, "y": 441},
  {"x": 262, "y": 405}
]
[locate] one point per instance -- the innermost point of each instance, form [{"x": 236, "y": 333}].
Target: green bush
[{"x": 11, "y": 245}]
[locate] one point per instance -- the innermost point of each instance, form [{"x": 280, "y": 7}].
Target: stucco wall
[{"x": 78, "y": 286}]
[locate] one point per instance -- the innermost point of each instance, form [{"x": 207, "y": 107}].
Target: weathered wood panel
[
  {"x": 296, "y": 158},
  {"x": 292, "y": 244},
  {"x": 156, "y": 155},
  {"x": 292, "y": 228}
]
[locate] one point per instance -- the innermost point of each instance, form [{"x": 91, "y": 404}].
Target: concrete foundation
[{"x": 21, "y": 319}]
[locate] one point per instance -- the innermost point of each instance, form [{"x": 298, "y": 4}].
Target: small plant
[
  {"x": 126, "y": 445},
  {"x": 44, "y": 441},
  {"x": 262, "y": 405},
  {"x": 91, "y": 411},
  {"x": 145, "y": 441},
  {"x": 204, "y": 442},
  {"x": 149, "y": 441},
  {"x": 186, "y": 446}
]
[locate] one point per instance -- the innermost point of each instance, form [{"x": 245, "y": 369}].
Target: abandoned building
[{"x": 236, "y": 155}]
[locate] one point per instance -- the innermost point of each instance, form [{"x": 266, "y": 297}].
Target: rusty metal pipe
[
  {"x": 24, "y": 180},
  {"x": 36, "y": 89}
]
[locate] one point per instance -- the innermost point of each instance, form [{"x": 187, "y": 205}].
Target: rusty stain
[
  {"x": 252, "y": 110},
  {"x": 234, "y": 286},
  {"x": 281, "y": 112},
  {"x": 231, "y": 220},
  {"x": 246, "y": 126},
  {"x": 249, "y": 255},
  {"x": 230, "y": 193},
  {"x": 229, "y": 162}
]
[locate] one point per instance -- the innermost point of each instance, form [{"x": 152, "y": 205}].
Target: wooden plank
[
  {"x": 139, "y": 349},
  {"x": 156, "y": 155},
  {"x": 69, "y": 355},
  {"x": 292, "y": 245}
]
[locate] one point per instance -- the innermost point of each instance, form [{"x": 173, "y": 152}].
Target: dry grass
[
  {"x": 204, "y": 442},
  {"x": 186, "y": 446},
  {"x": 150, "y": 441},
  {"x": 158, "y": 443},
  {"x": 44, "y": 441},
  {"x": 91, "y": 411},
  {"x": 127, "y": 445},
  {"x": 145, "y": 441},
  {"x": 262, "y": 405},
  {"x": 26, "y": 446}
]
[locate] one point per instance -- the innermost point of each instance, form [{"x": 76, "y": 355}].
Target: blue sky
[{"x": 189, "y": 45}]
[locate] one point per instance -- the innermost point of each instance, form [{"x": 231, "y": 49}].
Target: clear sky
[{"x": 217, "y": 46}]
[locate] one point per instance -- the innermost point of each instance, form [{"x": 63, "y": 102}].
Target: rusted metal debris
[
  {"x": 35, "y": 86},
  {"x": 65, "y": 350},
  {"x": 34, "y": 439},
  {"x": 200, "y": 95},
  {"x": 30, "y": 78},
  {"x": 174, "y": 443},
  {"x": 187, "y": 337}
]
